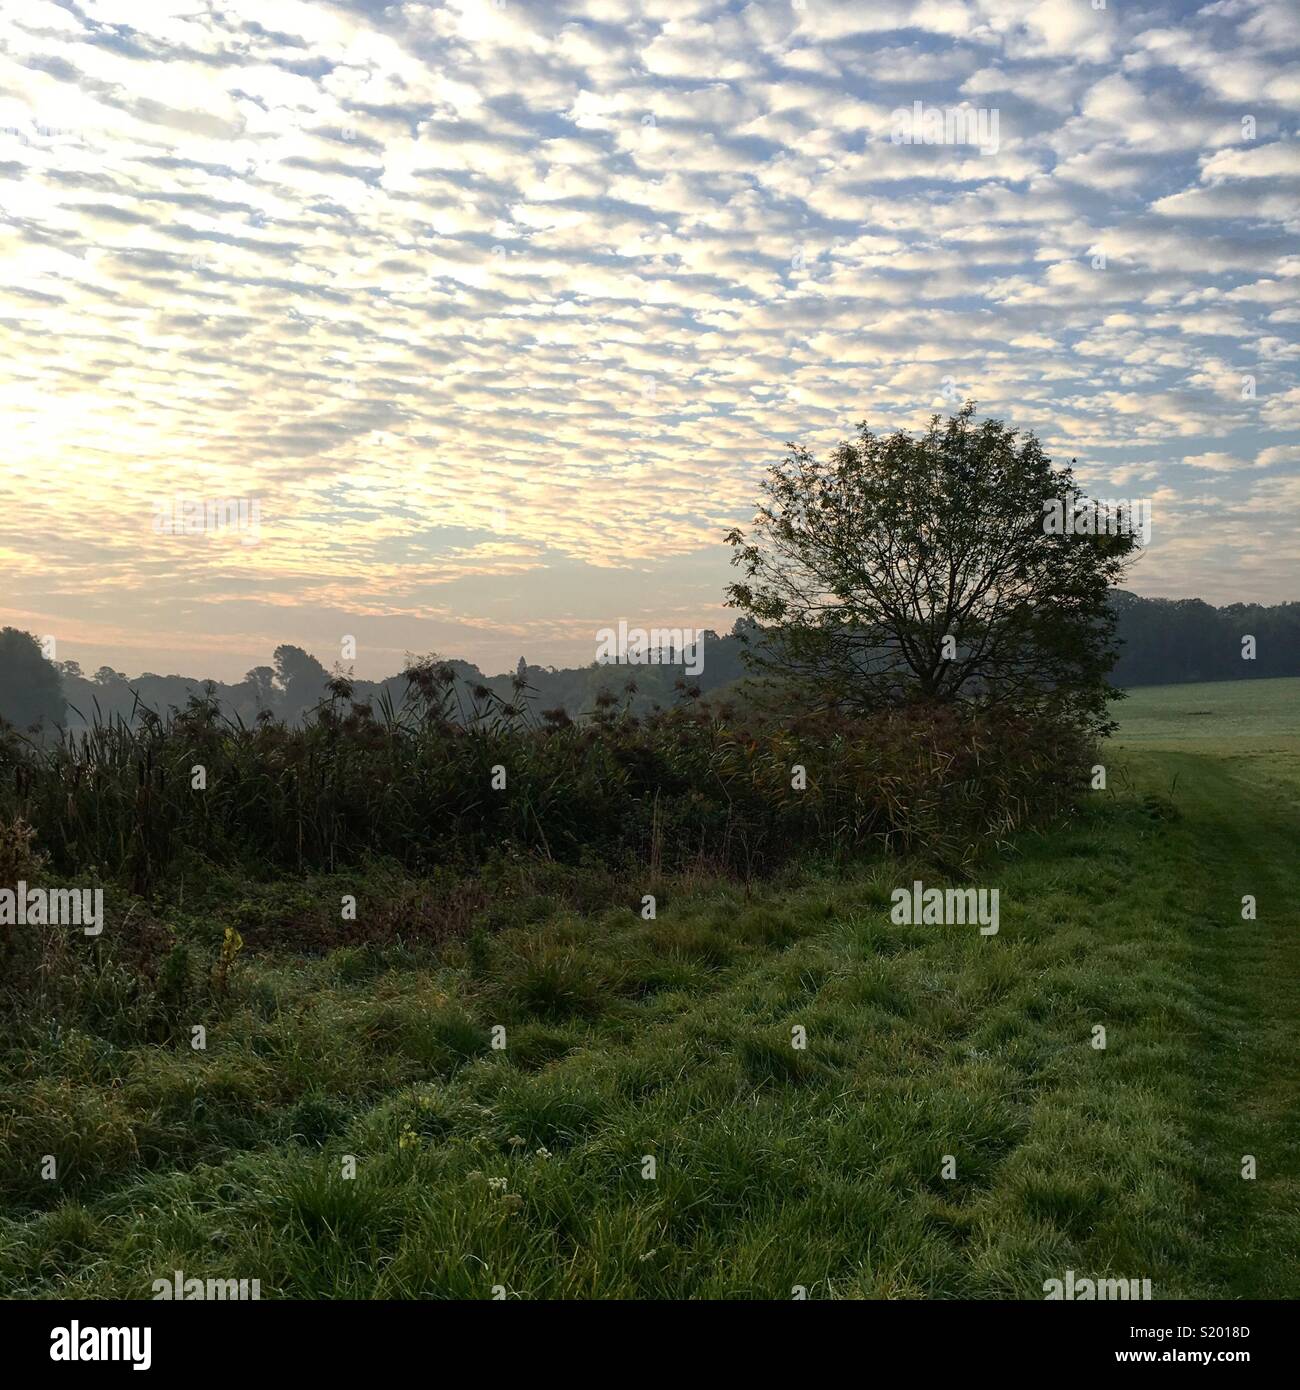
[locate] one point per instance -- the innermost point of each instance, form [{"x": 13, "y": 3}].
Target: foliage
[
  {"x": 820, "y": 1169},
  {"x": 866, "y": 567},
  {"x": 31, "y": 697},
  {"x": 414, "y": 783}
]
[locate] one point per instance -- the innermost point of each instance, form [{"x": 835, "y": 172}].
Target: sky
[{"x": 492, "y": 313}]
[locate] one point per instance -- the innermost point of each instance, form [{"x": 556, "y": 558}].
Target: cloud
[{"x": 479, "y": 301}]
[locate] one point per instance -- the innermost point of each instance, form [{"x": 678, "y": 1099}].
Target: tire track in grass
[{"x": 1245, "y": 830}]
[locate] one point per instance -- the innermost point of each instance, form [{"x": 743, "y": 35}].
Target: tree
[
  {"x": 31, "y": 696},
  {"x": 300, "y": 677},
  {"x": 924, "y": 569},
  {"x": 261, "y": 681}
]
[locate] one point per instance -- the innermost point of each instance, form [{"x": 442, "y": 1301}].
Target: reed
[{"x": 444, "y": 779}]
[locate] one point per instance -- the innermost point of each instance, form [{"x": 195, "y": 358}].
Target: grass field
[
  {"x": 1216, "y": 713},
  {"x": 522, "y": 1169}
]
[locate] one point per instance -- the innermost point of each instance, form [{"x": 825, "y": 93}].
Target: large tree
[
  {"x": 299, "y": 678},
  {"x": 31, "y": 695},
  {"x": 926, "y": 568}
]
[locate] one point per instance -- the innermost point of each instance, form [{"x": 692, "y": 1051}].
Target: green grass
[
  {"x": 1213, "y": 713},
  {"x": 776, "y": 1168}
]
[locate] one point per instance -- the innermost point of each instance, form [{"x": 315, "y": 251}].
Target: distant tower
[{"x": 521, "y": 671}]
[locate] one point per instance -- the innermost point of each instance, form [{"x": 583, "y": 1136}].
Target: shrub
[{"x": 674, "y": 790}]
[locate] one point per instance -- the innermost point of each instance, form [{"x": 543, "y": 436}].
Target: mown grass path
[
  {"x": 1241, "y": 814},
  {"x": 775, "y": 1167}
]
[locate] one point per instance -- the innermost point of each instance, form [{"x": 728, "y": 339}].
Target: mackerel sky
[{"x": 499, "y": 310}]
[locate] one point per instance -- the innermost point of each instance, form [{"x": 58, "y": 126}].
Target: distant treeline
[
  {"x": 1172, "y": 641},
  {"x": 296, "y": 683},
  {"x": 1165, "y": 642}
]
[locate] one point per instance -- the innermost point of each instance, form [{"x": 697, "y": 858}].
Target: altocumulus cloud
[{"x": 481, "y": 299}]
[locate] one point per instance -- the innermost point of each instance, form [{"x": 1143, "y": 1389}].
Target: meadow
[
  {"x": 1228, "y": 717},
  {"x": 525, "y": 1171}
]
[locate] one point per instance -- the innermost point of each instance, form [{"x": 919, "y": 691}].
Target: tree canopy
[
  {"x": 922, "y": 568},
  {"x": 31, "y": 694}
]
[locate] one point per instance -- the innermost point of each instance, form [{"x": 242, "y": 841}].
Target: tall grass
[{"x": 415, "y": 784}]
